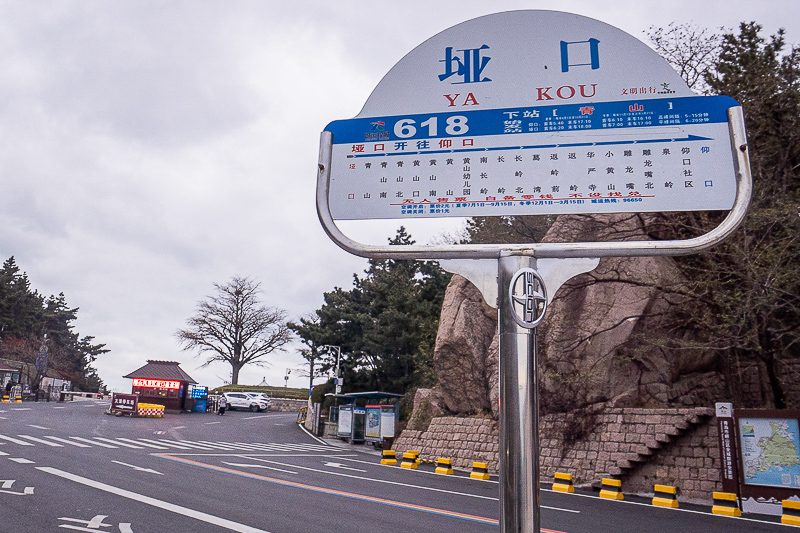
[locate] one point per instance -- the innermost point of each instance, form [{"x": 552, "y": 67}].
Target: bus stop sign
[{"x": 531, "y": 112}]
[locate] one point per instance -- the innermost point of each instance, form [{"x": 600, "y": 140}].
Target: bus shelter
[{"x": 367, "y": 416}]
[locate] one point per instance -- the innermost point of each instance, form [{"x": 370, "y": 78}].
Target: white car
[
  {"x": 261, "y": 396},
  {"x": 243, "y": 400}
]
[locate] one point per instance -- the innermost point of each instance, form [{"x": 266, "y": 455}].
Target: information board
[
  {"x": 770, "y": 449},
  {"x": 571, "y": 116}
]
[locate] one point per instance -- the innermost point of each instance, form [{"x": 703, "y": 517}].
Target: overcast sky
[{"x": 152, "y": 148}]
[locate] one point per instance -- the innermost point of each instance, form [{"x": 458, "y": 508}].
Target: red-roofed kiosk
[{"x": 162, "y": 382}]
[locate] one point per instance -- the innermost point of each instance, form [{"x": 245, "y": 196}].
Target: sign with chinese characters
[
  {"x": 125, "y": 403},
  {"x": 156, "y": 383},
  {"x": 531, "y": 112}
]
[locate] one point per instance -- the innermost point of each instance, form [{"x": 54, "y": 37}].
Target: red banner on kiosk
[{"x": 156, "y": 383}]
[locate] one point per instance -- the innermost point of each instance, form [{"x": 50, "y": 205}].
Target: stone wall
[
  {"x": 642, "y": 447},
  {"x": 287, "y": 404}
]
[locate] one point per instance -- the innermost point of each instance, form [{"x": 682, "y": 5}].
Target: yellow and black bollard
[
  {"x": 388, "y": 457},
  {"x": 791, "y": 513},
  {"x": 409, "y": 460},
  {"x": 726, "y": 503},
  {"x": 665, "y": 496},
  {"x": 611, "y": 489},
  {"x": 563, "y": 482},
  {"x": 444, "y": 466},
  {"x": 479, "y": 470}
]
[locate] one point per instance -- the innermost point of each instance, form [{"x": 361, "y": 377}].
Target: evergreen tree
[
  {"x": 385, "y": 325},
  {"x": 28, "y": 322}
]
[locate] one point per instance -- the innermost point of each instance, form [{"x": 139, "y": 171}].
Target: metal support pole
[{"x": 519, "y": 410}]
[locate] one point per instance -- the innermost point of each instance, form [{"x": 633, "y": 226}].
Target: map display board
[
  {"x": 531, "y": 112},
  {"x": 770, "y": 449}
]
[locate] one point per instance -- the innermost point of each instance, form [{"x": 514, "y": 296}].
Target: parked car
[
  {"x": 243, "y": 400},
  {"x": 262, "y": 397}
]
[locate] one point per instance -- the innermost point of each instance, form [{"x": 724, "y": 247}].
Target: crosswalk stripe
[
  {"x": 16, "y": 441},
  {"x": 198, "y": 445},
  {"x": 102, "y": 444},
  {"x": 219, "y": 445},
  {"x": 34, "y": 439},
  {"x": 66, "y": 441},
  {"x": 157, "y": 447},
  {"x": 162, "y": 442},
  {"x": 126, "y": 445}
]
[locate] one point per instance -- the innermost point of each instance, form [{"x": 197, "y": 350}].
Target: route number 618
[{"x": 455, "y": 125}]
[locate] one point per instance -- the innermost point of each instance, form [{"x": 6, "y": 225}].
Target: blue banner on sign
[{"x": 607, "y": 116}]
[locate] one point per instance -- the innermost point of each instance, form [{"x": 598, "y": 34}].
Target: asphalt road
[{"x": 68, "y": 466}]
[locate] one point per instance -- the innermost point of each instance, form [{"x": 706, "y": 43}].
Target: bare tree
[
  {"x": 693, "y": 52},
  {"x": 233, "y": 326}
]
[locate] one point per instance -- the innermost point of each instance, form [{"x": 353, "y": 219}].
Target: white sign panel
[{"x": 531, "y": 112}]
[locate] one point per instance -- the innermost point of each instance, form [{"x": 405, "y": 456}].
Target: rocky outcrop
[
  {"x": 466, "y": 329},
  {"x": 605, "y": 340}
]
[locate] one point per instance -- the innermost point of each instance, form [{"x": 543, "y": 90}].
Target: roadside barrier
[
  {"x": 389, "y": 457},
  {"x": 563, "y": 482},
  {"x": 791, "y": 513},
  {"x": 479, "y": 470},
  {"x": 665, "y": 496},
  {"x": 611, "y": 489},
  {"x": 444, "y": 466},
  {"x": 5, "y": 399},
  {"x": 409, "y": 460},
  {"x": 726, "y": 503},
  {"x": 151, "y": 410}
]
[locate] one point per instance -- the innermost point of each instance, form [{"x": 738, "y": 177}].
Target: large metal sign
[{"x": 531, "y": 112}]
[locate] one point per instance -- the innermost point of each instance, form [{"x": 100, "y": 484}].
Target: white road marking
[
  {"x": 340, "y": 465},
  {"x": 27, "y": 491},
  {"x": 3, "y": 453},
  {"x": 221, "y": 445},
  {"x": 21, "y": 460},
  {"x": 197, "y": 445},
  {"x": 166, "y": 443},
  {"x": 383, "y": 481},
  {"x": 139, "y": 468},
  {"x": 20, "y": 408},
  {"x": 143, "y": 443},
  {"x": 212, "y": 423},
  {"x": 252, "y": 417},
  {"x": 16, "y": 441},
  {"x": 245, "y": 465},
  {"x": 59, "y": 407},
  {"x": 41, "y": 441},
  {"x": 159, "y": 504},
  {"x": 37, "y": 427},
  {"x": 179, "y": 427},
  {"x": 59, "y": 439},
  {"x": 94, "y": 443},
  {"x": 118, "y": 443}
]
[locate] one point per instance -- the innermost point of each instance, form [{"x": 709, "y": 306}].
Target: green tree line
[
  {"x": 385, "y": 326},
  {"x": 29, "y": 322}
]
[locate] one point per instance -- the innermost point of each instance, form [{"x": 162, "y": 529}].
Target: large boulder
[{"x": 466, "y": 329}]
